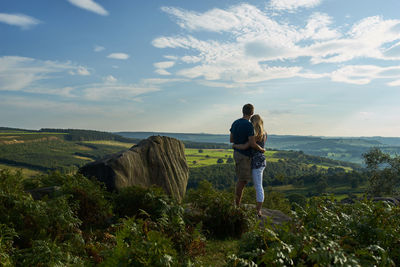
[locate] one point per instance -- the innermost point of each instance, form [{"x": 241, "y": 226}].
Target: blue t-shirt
[{"x": 241, "y": 130}]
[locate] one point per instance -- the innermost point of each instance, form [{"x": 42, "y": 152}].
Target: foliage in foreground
[
  {"x": 216, "y": 212},
  {"x": 72, "y": 226},
  {"x": 36, "y": 231},
  {"x": 325, "y": 233}
]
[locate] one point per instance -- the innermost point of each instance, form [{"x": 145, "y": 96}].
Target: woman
[{"x": 257, "y": 159}]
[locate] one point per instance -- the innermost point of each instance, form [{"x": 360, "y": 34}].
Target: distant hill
[{"x": 348, "y": 149}]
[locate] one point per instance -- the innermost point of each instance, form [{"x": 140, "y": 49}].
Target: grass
[
  {"x": 110, "y": 143},
  {"x": 210, "y": 156},
  {"x": 84, "y": 158},
  {"x": 338, "y": 191},
  {"x": 25, "y": 171},
  {"x": 217, "y": 252}
]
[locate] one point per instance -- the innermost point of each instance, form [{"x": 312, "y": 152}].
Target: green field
[
  {"x": 339, "y": 191},
  {"x": 110, "y": 143},
  {"x": 25, "y": 171},
  {"x": 40, "y": 152}
]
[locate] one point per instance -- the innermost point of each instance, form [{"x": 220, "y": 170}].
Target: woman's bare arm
[
  {"x": 241, "y": 146},
  {"x": 253, "y": 144}
]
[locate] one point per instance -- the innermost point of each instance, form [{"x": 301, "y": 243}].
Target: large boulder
[{"x": 158, "y": 160}]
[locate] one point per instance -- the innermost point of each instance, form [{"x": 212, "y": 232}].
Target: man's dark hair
[{"x": 248, "y": 110}]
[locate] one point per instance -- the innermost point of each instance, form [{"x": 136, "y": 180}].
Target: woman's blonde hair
[{"x": 258, "y": 125}]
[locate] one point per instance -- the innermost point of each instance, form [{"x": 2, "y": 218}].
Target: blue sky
[{"x": 310, "y": 67}]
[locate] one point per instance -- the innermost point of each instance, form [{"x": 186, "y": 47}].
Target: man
[{"x": 242, "y": 131}]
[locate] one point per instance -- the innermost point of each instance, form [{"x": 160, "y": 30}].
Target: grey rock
[
  {"x": 158, "y": 160},
  {"x": 276, "y": 217}
]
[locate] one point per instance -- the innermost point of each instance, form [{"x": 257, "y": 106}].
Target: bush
[
  {"x": 48, "y": 253},
  {"x": 27, "y": 224},
  {"x": 7, "y": 236},
  {"x": 298, "y": 199},
  {"x": 88, "y": 197},
  {"x": 217, "y": 213},
  {"x": 139, "y": 244},
  {"x": 131, "y": 201},
  {"x": 326, "y": 233},
  {"x": 153, "y": 204}
]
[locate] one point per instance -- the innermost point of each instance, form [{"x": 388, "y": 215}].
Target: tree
[
  {"x": 321, "y": 186},
  {"x": 220, "y": 161},
  {"x": 354, "y": 183},
  {"x": 384, "y": 172},
  {"x": 229, "y": 160},
  {"x": 200, "y": 150}
]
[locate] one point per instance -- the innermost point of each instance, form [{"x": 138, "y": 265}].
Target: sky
[{"x": 310, "y": 67}]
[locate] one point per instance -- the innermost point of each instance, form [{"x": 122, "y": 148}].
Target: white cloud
[
  {"x": 190, "y": 59},
  {"x": 121, "y": 56},
  {"x": 164, "y": 64},
  {"x": 394, "y": 83},
  {"x": 114, "y": 91},
  {"x": 364, "y": 74},
  {"x": 65, "y": 92},
  {"x": 213, "y": 20},
  {"x": 82, "y": 71},
  {"x": 162, "y": 72},
  {"x": 259, "y": 47},
  {"x": 317, "y": 28},
  {"x": 89, "y": 5},
  {"x": 170, "y": 57},
  {"x": 98, "y": 48},
  {"x": 157, "y": 81},
  {"x": 110, "y": 79},
  {"x": 20, "y": 73},
  {"x": 20, "y": 20},
  {"x": 291, "y": 5},
  {"x": 30, "y": 103}
]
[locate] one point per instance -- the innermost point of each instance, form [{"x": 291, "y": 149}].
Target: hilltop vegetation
[
  {"x": 67, "y": 150},
  {"x": 348, "y": 149}
]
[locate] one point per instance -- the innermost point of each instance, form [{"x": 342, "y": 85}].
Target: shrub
[
  {"x": 28, "y": 224},
  {"x": 7, "y": 236},
  {"x": 131, "y": 201},
  {"x": 325, "y": 233},
  {"x": 166, "y": 213},
  {"x": 139, "y": 244},
  {"x": 299, "y": 199},
  {"x": 88, "y": 197},
  {"x": 217, "y": 213},
  {"x": 48, "y": 253}
]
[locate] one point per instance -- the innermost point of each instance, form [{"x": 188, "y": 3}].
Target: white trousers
[{"x": 258, "y": 185}]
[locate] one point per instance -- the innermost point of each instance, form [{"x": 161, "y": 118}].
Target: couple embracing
[{"x": 248, "y": 138}]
